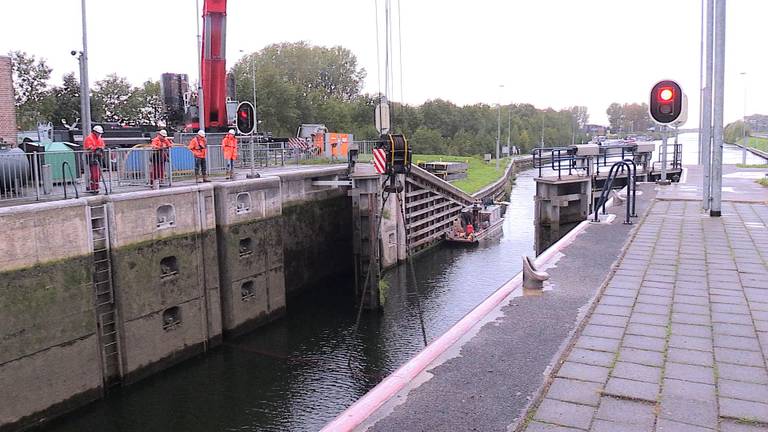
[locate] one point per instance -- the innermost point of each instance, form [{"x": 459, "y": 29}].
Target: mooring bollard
[{"x": 532, "y": 278}]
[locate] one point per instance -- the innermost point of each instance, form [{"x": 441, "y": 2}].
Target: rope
[{"x": 409, "y": 263}]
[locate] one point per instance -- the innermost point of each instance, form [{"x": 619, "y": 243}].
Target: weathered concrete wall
[
  {"x": 317, "y": 229},
  {"x": 148, "y": 229},
  {"x": 250, "y": 246},
  {"x": 49, "y": 354}
]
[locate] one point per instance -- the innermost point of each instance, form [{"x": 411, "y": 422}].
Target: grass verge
[{"x": 752, "y": 165}]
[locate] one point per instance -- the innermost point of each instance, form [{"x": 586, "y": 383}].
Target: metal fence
[{"x": 52, "y": 175}]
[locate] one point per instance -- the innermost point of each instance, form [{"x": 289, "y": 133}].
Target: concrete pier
[
  {"x": 107, "y": 290},
  {"x": 658, "y": 326}
]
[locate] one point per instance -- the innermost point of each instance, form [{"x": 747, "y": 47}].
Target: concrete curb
[{"x": 361, "y": 410}]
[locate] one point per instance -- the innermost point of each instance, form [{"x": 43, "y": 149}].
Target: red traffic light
[
  {"x": 666, "y": 94},
  {"x": 243, "y": 114}
]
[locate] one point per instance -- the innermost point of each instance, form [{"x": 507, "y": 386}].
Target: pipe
[{"x": 717, "y": 118}]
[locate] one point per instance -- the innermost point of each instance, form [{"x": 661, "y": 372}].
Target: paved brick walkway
[{"x": 678, "y": 341}]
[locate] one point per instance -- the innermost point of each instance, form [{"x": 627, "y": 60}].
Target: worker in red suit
[
  {"x": 229, "y": 145},
  {"x": 161, "y": 145},
  {"x": 94, "y": 148},
  {"x": 198, "y": 148}
]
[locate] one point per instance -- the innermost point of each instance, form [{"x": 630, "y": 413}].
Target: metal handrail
[
  {"x": 559, "y": 160},
  {"x": 607, "y": 187},
  {"x": 64, "y": 179},
  {"x": 633, "y": 179}
]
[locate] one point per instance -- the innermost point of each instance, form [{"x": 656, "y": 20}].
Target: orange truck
[{"x": 329, "y": 144}]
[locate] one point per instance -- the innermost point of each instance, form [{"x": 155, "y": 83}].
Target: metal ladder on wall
[{"x": 106, "y": 311}]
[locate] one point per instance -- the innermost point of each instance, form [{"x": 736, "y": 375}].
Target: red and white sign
[{"x": 380, "y": 160}]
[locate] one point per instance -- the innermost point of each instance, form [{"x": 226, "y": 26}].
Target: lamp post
[
  {"x": 744, "y": 123},
  {"x": 85, "y": 97},
  {"x": 498, "y": 128}
]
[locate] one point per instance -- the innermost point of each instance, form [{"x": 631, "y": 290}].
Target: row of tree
[
  {"x": 629, "y": 118},
  {"x": 299, "y": 83},
  {"x": 113, "y": 99}
]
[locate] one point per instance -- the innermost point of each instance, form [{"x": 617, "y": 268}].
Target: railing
[
  {"x": 40, "y": 176},
  {"x": 559, "y": 159},
  {"x": 608, "y": 187},
  {"x": 676, "y": 162},
  {"x": 612, "y": 153}
]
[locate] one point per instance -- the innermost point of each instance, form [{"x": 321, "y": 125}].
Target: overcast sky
[{"x": 551, "y": 53}]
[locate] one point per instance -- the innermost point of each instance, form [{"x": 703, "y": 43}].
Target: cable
[
  {"x": 409, "y": 263},
  {"x": 400, "y": 54}
]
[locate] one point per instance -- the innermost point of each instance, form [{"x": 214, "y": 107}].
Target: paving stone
[
  {"x": 691, "y": 309},
  {"x": 546, "y": 427},
  {"x": 687, "y": 318},
  {"x": 603, "y": 331},
  {"x": 626, "y": 411},
  {"x": 644, "y": 342},
  {"x": 737, "y": 426},
  {"x": 759, "y": 315},
  {"x": 730, "y": 308},
  {"x": 688, "y": 372},
  {"x": 757, "y": 375},
  {"x": 651, "y": 309},
  {"x": 761, "y": 326},
  {"x": 739, "y": 357},
  {"x": 647, "y": 330},
  {"x": 598, "y": 343},
  {"x": 690, "y": 342},
  {"x": 564, "y": 413},
  {"x": 689, "y": 290},
  {"x": 742, "y": 390},
  {"x": 700, "y": 358},
  {"x": 609, "y": 320},
  {"x": 595, "y": 358},
  {"x": 737, "y": 342},
  {"x": 581, "y": 392},
  {"x": 733, "y": 329},
  {"x": 691, "y": 330},
  {"x": 689, "y": 390},
  {"x": 650, "y": 299},
  {"x": 613, "y": 310},
  {"x": 692, "y": 300},
  {"x": 637, "y": 372},
  {"x": 650, "y": 319},
  {"x": 757, "y": 306},
  {"x": 583, "y": 372},
  {"x": 654, "y": 291},
  {"x": 665, "y": 425},
  {"x": 689, "y": 411},
  {"x": 740, "y": 409},
  {"x": 643, "y": 357},
  {"x": 632, "y": 389},
  {"x": 608, "y": 426},
  {"x": 731, "y": 318},
  {"x": 616, "y": 300}
]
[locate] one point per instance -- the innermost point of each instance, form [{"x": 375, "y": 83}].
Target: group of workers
[{"x": 161, "y": 145}]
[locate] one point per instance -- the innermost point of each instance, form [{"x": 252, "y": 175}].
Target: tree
[
  {"x": 30, "y": 86},
  {"x": 580, "y": 115},
  {"x": 66, "y": 100},
  {"x": 114, "y": 94},
  {"x": 148, "y": 103},
  {"x": 615, "y": 116}
]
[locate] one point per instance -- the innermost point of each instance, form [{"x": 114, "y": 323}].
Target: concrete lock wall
[
  {"x": 49, "y": 356},
  {"x": 250, "y": 246},
  {"x": 317, "y": 228},
  {"x": 165, "y": 273}
]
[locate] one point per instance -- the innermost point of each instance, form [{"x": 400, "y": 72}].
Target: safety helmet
[
  {"x": 98, "y": 129},
  {"x": 232, "y": 131},
  {"x": 163, "y": 132},
  {"x": 201, "y": 133}
]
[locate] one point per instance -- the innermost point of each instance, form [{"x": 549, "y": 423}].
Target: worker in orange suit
[
  {"x": 94, "y": 147},
  {"x": 229, "y": 145},
  {"x": 198, "y": 147},
  {"x": 161, "y": 145}
]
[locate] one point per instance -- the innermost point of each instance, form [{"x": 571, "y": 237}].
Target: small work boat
[{"x": 475, "y": 224}]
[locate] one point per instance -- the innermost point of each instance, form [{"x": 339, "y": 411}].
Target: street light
[
  {"x": 744, "y": 123},
  {"x": 498, "y": 128},
  {"x": 85, "y": 99}
]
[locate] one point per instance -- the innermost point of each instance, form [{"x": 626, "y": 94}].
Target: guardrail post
[{"x": 36, "y": 175}]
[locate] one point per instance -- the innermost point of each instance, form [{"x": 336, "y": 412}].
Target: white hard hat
[
  {"x": 163, "y": 132},
  {"x": 98, "y": 129},
  {"x": 201, "y": 133},
  {"x": 232, "y": 131}
]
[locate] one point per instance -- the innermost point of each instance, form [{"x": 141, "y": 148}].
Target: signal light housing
[
  {"x": 246, "y": 118},
  {"x": 668, "y": 103}
]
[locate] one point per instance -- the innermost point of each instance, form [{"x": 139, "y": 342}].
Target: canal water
[
  {"x": 301, "y": 371},
  {"x": 298, "y": 373}
]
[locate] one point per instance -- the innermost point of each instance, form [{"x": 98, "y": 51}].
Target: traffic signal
[
  {"x": 246, "y": 118},
  {"x": 668, "y": 103}
]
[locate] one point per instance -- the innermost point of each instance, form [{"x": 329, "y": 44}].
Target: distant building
[
  {"x": 595, "y": 130},
  {"x": 757, "y": 123},
  {"x": 7, "y": 106}
]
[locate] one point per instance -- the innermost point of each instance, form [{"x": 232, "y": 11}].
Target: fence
[{"x": 42, "y": 176}]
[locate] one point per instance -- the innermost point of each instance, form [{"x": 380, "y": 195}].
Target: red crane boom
[{"x": 214, "y": 73}]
